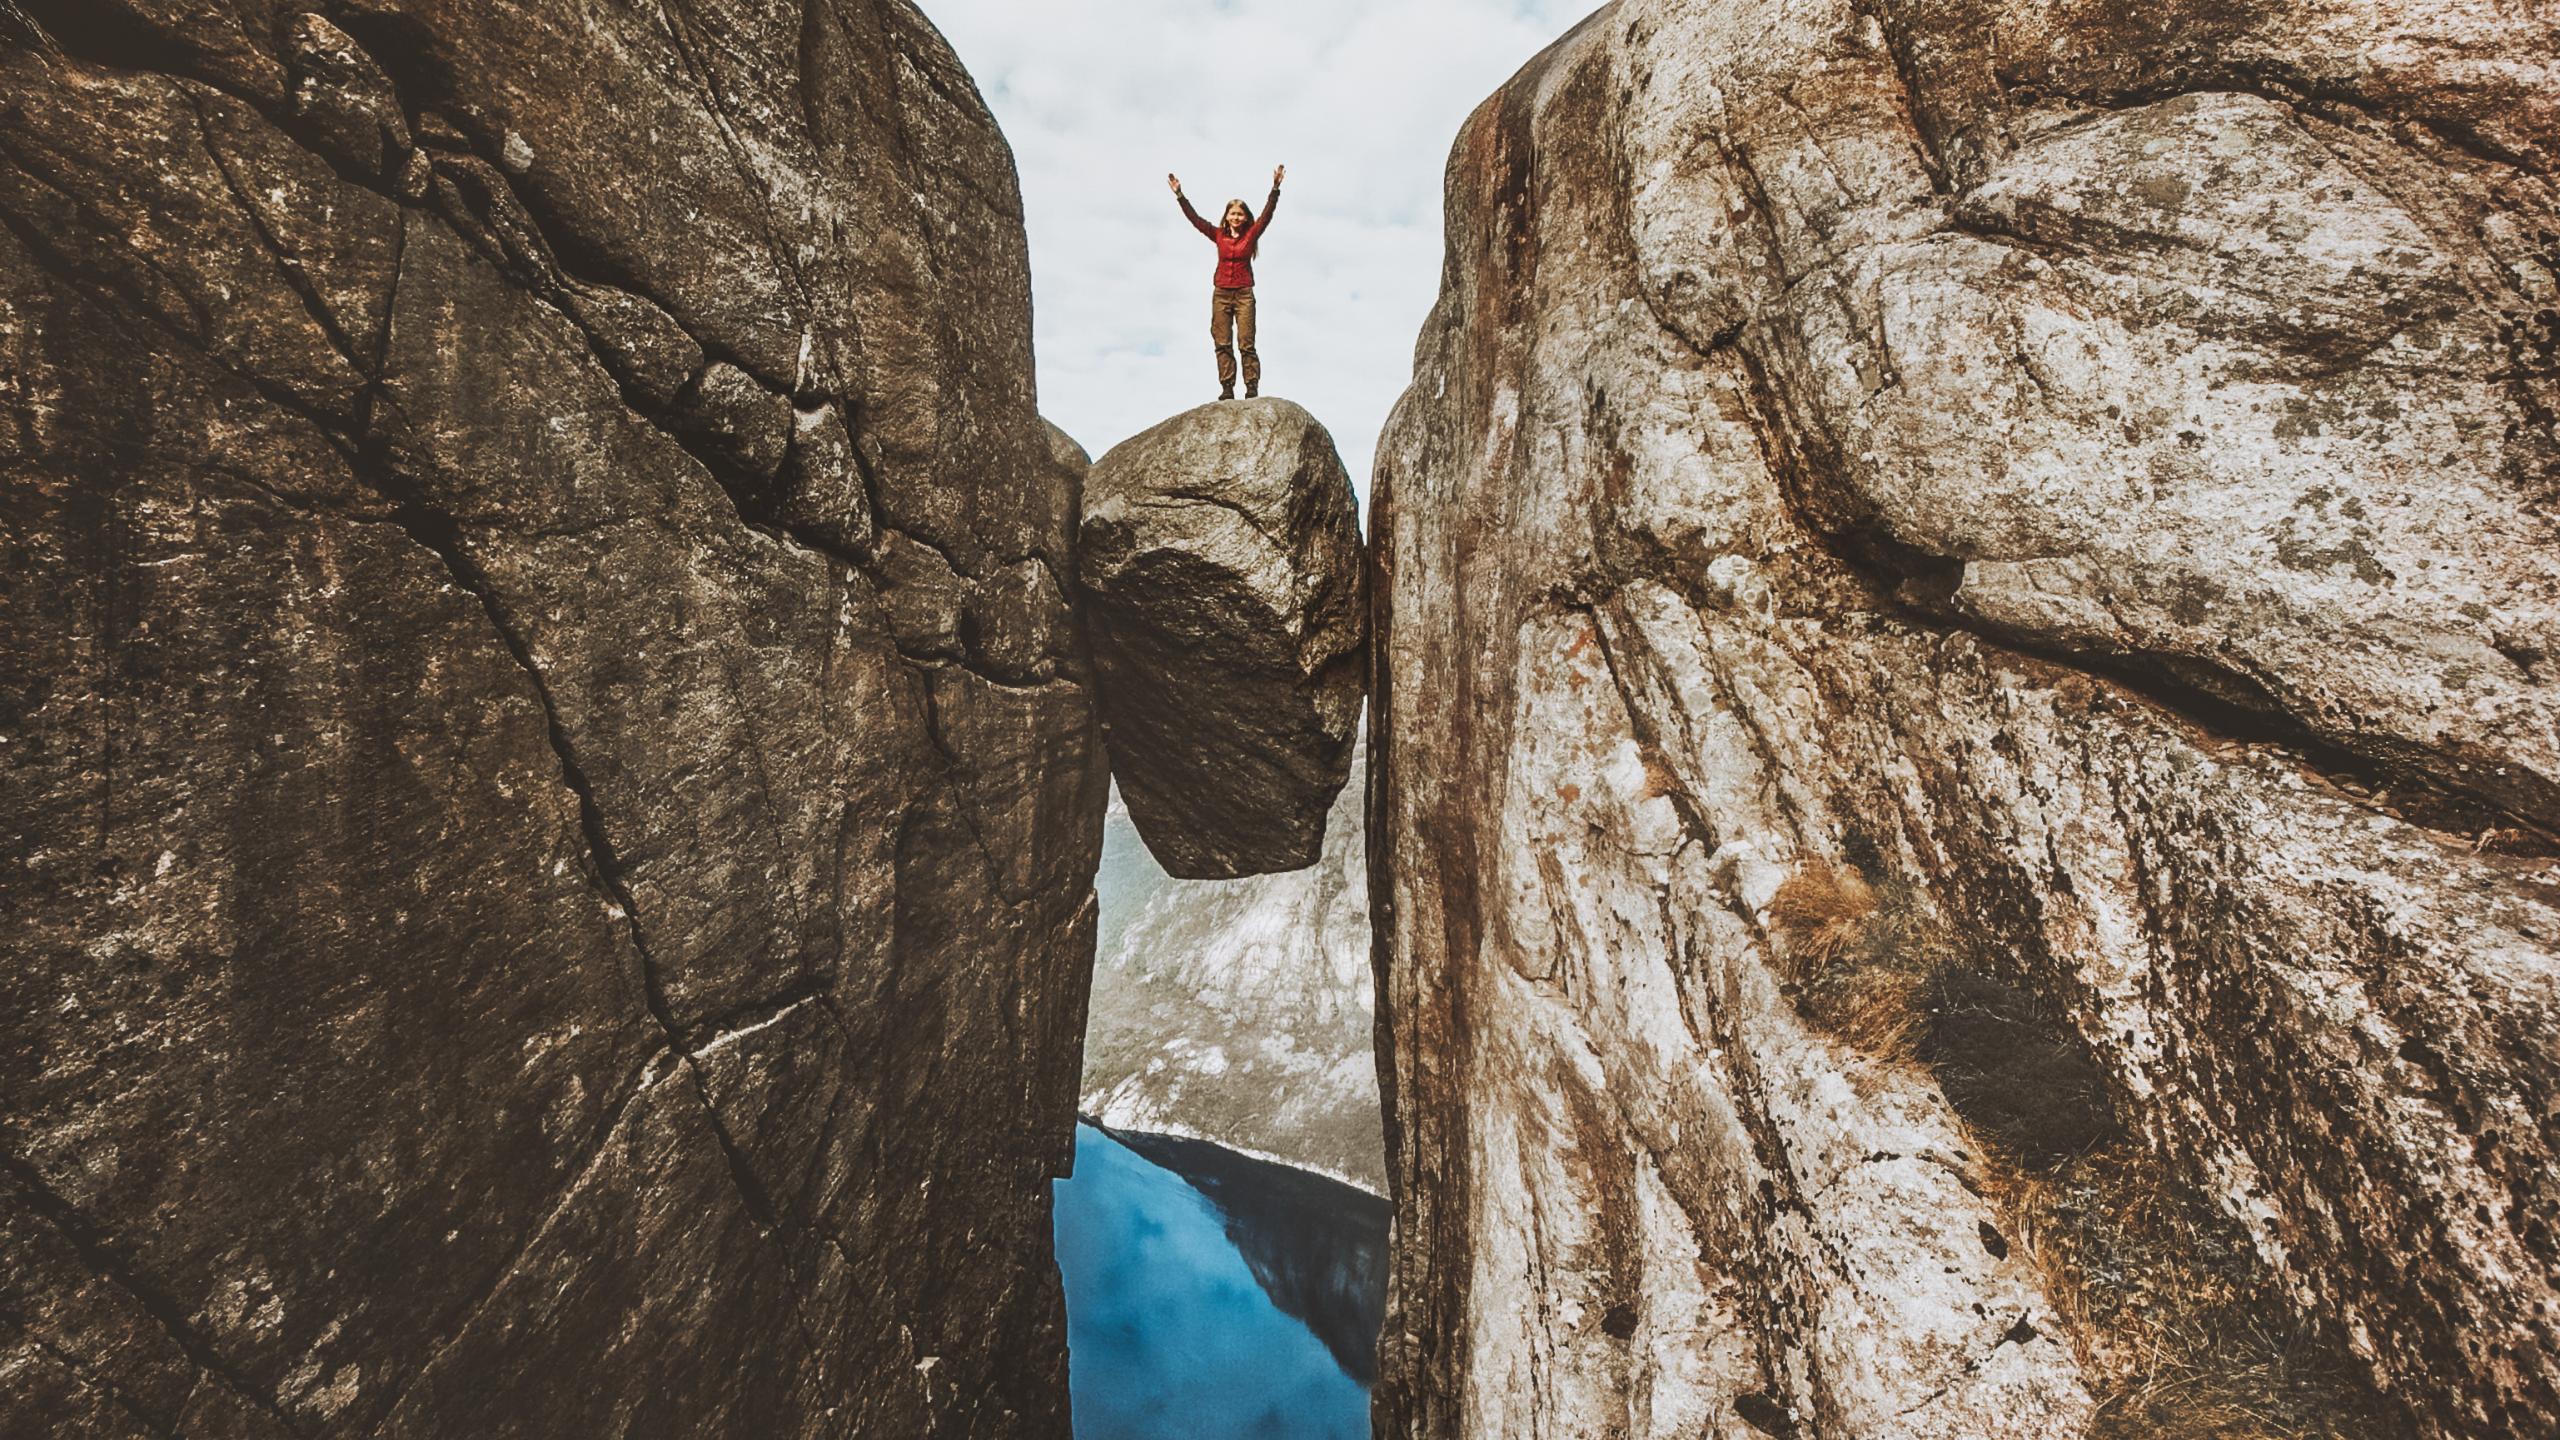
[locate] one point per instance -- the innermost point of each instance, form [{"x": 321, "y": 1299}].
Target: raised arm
[
  {"x": 1203, "y": 226},
  {"x": 1262, "y": 222}
]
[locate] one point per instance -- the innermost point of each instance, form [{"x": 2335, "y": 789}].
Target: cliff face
[
  {"x": 1963, "y": 782},
  {"x": 554, "y": 795},
  {"x": 1241, "y": 1011}
]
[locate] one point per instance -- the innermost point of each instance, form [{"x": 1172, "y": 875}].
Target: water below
[{"x": 1210, "y": 1294}]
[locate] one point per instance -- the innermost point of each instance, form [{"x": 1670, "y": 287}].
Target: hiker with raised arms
[{"x": 1238, "y": 236}]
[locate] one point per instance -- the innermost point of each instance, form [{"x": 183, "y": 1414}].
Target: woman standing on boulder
[{"x": 1239, "y": 238}]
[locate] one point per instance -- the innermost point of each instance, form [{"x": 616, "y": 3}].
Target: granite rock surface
[
  {"x": 552, "y": 790},
  {"x": 1224, "y": 599},
  {"x": 2075, "y": 489}
]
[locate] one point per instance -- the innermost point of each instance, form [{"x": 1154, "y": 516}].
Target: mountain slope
[{"x": 1239, "y": 1011}]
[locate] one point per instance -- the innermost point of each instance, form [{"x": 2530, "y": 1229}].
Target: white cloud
[{"x": 1360, "y": 98}]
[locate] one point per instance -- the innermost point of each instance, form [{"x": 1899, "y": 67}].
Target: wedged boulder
[{"x": 1226, "y": 608}]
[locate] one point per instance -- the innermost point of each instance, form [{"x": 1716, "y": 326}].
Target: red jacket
[{"x": 1235, "y": 252}]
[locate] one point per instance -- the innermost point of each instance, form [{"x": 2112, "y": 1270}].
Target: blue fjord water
[{"x": 1173, "y": 1334}]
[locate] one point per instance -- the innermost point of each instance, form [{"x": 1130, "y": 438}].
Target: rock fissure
[
  {"x": 606, "y": 866},
  {"x": 2263, "y": 720},
  {"x": 1251, "y": 518},
  {"x": 424, "y": 92},
  {"x": 1898, "y": 42},
  {"x": 156, "y": 1425},
  {"x": 709, "y": 85},
  {"x": 63, "y": 265},
  {"x": 287, "y": 263},
  {"x": 545, "y": 282},
  {"x": 455, "y": 1327},
  {"x": 2298, "y": 91},
  {"x": 99, "y": 1254}
]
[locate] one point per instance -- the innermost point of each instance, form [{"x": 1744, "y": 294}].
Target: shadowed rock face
[
  {"x": 1225, "y": 603},
  {"x": 552, "y": 793},
  {"x": 2090, "y": 477}
]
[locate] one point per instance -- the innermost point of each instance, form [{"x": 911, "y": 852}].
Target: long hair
[{"x": 1256, "y": 252}]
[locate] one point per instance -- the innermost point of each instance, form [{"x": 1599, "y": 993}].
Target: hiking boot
[
  {"x": 1252, "y": 389},
  {"x": 1227, "y": 392}
]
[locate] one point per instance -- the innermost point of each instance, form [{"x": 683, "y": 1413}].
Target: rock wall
[
  {"x": 553, "y": 792},
  {"x": 1907, "y": 501},
  {"x": 1241, "y": 1011}
]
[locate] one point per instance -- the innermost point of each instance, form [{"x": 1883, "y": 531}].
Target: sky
[{"x": 1361, "y": 99}]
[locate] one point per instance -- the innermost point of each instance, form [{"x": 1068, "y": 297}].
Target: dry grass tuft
[
  {"x": 1856, "y": 971},
  {"x": 1877, "y": 1010},
  {"x": 1822, "y": 910}
]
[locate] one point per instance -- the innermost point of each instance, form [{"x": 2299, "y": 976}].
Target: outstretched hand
[
  {"x": 1174, "y": 182},
  {"x": 1278, "y": 174}
]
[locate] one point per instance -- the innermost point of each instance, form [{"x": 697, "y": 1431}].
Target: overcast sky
[{"x": 1360, "y": 98}]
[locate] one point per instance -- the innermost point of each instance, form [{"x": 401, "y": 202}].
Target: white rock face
[
  {"x": 1241, "y": 1011},
  {"x": 2093, "y": 477}
]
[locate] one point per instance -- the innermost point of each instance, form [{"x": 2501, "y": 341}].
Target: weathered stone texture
[
  {"x": 1225, "y": 603},
  {"x": 509, "y": 931},
  {"x": 2091, "y": 473}
]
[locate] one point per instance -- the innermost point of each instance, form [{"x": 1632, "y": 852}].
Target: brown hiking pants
[{"x": 1231, "y": 319}]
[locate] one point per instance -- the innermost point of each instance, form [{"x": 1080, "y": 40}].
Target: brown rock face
[
  {"x": 515, "y": 926},
  {"x": 2000, "y": 554},
  {"x": 1225, "y": 602}
]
